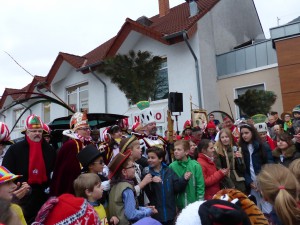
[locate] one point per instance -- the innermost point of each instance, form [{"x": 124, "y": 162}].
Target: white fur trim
[{"x": 189, "y": 215}]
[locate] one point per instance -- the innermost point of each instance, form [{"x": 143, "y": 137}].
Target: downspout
[
  {"x": 105, "y": 87},
  {"x": 197, "y": 69}
]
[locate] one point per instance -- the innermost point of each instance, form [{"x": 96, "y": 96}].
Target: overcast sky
[{"x": 35, "y": 31}]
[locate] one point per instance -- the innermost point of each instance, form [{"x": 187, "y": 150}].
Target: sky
[{"x": 33, "y": 32}]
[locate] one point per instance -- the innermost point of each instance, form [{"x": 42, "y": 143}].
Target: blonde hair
[
  {"x": 185, "y": 144},
  {"x": 219, "y": 145},
  {"x": 295, "y": 168},
  {"x": 86, "y": 181},
  {"x": 281, "y": 188}
]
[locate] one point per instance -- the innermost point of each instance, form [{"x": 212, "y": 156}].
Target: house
[{"x": 196, "y": 39}]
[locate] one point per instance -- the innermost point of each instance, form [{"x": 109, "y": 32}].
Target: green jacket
[{"x": 194, "y": 190}]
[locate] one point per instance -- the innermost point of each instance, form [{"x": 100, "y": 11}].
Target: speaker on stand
[{"x": 175, "y": 105}]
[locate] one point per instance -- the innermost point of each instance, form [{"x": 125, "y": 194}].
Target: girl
[
  {"x": 281, "y": 188},
  {"x": 256, "y": 154},
  {"x": 122, "y": 197},
  {"x": 205, "y": 156},
  {"x": 193, "y": 147},
  {"x": 230, "y": 158},
  {"x": 165, "y": 185},
  {"x": 285, "y": 152}
]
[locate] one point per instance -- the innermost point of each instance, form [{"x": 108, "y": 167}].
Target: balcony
[{"x": 286, "y": 30}]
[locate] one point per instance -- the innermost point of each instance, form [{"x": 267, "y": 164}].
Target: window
[
  {"x": 162, "y": 82},
  {"x": 78, "y": 97},
  {"x": 241, "y": 91},
  {"x": 19, "y": 120},
  {"x": 46, "y": 112}
]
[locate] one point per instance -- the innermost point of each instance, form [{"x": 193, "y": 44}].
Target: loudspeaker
[{"x": 175, "y": 102}]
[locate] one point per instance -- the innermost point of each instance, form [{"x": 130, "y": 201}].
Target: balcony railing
[{"x": 285, "y": 30}]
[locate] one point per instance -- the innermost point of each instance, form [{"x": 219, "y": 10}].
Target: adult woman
[
  {"x": 256, "y": 153},
  {"x": 228, "y": 157}
]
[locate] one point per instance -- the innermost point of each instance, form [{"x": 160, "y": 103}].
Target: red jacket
[{"x": 212, "y": 176}]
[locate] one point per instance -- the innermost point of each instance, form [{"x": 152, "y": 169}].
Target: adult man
[
  {"x": 67, "y": 167},
  {"x": 149, "y": 138},
  {"x": 34, "y": 159},
  {"x": 277, "y": 119},
  {"x": 211, "y": 117},
  {"x": 228, "y": 123}
]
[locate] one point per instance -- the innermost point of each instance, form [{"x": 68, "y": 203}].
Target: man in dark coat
[{"x": 34, "y": 159}]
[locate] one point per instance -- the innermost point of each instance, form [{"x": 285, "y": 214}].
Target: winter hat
[
  {"x": 88, "y": 154},
  {"x": 123, "y": 124},
  {"x": 222, "y": 212},
  {"x": 6, "y": 175},
  {"x": 187, "y": 125},
  {"x": 67, "y": 209},
  {"x": 4, "y": 134},
  {"x": 146, "y": 114},
  {"x": 296, "y": 109},
  {"x": 116, "y": 163},
  {"x": 211, "y": 125},
  {"x": 249, "y": 207},
  {"x": 212, "y": 212},
  {"x": 79, "y": 119},
  {"x": 261, "y": 127}
]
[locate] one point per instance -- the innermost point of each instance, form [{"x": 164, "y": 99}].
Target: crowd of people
[{"x": 139, "y": 177}]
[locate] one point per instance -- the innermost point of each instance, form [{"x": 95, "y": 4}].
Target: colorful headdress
[
  {"x": 187, "y": 125},
  {"x": 4, "y": 134},
  {"x": 6, "y": 175},
  {"x": 33, "y": 122},
  {"x": 79, "y": 119},
  {"x": 146, "y": 114}
]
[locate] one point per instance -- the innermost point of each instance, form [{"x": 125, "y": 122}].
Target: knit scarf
[{"x": 36, "y": 168}]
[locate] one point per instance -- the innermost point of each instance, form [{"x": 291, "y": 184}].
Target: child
[
  {"x": 88, "y": 186},
  {"x": 205, "y": 156},
  {"x": 195, "y": 187},
  {"x": 122, "y": 202},
  {"x": 286, "y": 151},
  {"x": 165, "y": 184},
  {"x": 7, "y": 187},
  {"x": 229, "y": 157},
  {"x": 92, "y": 161},
  {"x": 280, "y": 187},
  {"x": 193, "y": 147},
  {"x": 132, "y": 146}
]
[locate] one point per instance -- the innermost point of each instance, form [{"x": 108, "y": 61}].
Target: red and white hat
[
  {"x": 136, "y": 127},
  {"x": 33, "y": 122},
  {"x": 187, "y": 125},
  {"x": 4, "y": 134},
  {"x": 79, "y": 119},
  {"x": 67, "y": 209}
]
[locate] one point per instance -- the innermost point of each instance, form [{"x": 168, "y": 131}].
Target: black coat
[
  {"x": 290, "y": 155},
  {"x": 16, "y": 160}
]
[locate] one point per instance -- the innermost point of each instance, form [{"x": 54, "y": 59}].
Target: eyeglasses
[
  {"x": 100, "y": 162},
  {"x": 129, "y": 167},
  {"x": 85, "y": 129},
  {"x": 36, "y": 131}
]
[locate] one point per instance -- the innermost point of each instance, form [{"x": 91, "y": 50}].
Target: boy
[
  {"x": 7, "y": 187},
  {"x": 88, "y": 186},
  {"x": 195, "y": 187},
  {"x": 132, "y": 146},
  {"x": 162, "y": 191}
]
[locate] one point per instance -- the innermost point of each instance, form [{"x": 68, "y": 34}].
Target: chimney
[
  {"x": 164, "y": 7},
  {"x": 193, "y": 8}
]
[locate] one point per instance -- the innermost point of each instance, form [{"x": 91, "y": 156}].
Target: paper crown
[
  {"x": 116, "y": 163},
  {"x": 146, "y": 114},
  {"x": 88, "y": 154},
  {"x": 79, "y": 119},
  {"x": 67, "y": 209},
  {"x": 4, "y": 134},
  {"x": 33, "y": 122},
  {"x": 261, "y": 127},
  {"x": 6, "y": 175}
]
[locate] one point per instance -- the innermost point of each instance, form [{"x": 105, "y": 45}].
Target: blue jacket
[
  {"x": 261, "y": 155},
  {"x": 162, "y": 195}
]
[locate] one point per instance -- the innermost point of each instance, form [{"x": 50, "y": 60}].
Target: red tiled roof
[{"x": 178, "y": 19}]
